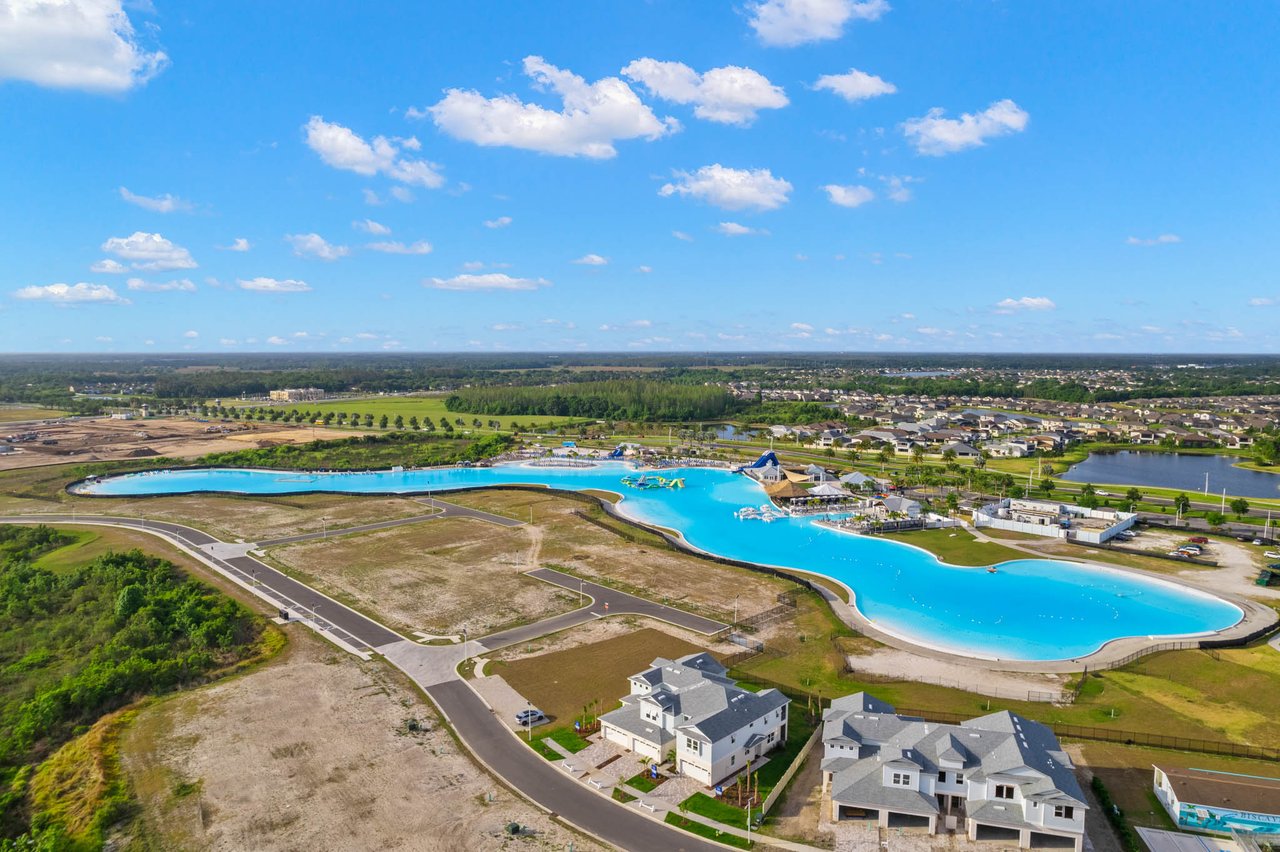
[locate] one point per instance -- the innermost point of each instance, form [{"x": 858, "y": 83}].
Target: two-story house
[
  {"x": 998, "y": 777},
  {"x": 690, "y": 708}
]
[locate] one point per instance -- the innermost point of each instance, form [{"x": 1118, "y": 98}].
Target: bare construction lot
[
  {"x": 316, "y": 751},
  {"x": 103, "y": 439}
]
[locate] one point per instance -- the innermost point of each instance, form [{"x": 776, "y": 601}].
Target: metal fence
[{"x": 1130, "y": 738}]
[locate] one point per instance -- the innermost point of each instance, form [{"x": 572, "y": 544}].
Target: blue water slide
[{"x": 766, "y": 458}]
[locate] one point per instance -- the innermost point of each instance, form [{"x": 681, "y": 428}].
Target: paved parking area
[{"x": 504, "y": 700}]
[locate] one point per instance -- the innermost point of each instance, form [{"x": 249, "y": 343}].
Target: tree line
[{"x": 618, "y": 399}]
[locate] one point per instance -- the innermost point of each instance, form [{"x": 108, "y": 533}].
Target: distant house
[
  {"x": 859, "y": 480},
  {"x": 894, "y": 505},
  {"x": 817, "y": 474},
  {"x": 961, "y": 449},
  {"x": 690, "y": 707},
  {"x": 998, "y": 777}
]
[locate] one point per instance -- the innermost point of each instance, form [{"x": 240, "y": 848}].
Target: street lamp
[
  {"x": 528, "y": 719},
  {"x": 324, "y": 527},
  {"x": 580, "y": 595}
]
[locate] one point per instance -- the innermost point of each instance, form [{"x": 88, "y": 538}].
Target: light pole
[
  {"x": 324, "y": 527},
  {"x": 528, "y": 719},
  {"x": 735, "y": 610},
  {"x": 581, "y": 597}
]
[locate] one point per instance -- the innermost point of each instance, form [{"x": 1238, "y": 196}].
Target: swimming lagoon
[{"x": 1030, "y": 609}]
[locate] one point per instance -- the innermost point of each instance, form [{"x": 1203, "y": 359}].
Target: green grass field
[
  {"x": 15, "y": 413},
  {"x": 958, "y": 547},
  {"x": 422, "y": 407}
]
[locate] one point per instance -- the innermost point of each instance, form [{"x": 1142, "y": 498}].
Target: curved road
[{"x": 434, "y": 669}]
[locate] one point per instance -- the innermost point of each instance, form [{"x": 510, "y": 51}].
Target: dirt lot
[
  {"x": 102, "y": 439},
  {"x": 435, "y": 576},
  {"x": 647, "y": 568},
  {"x": 562, "y": 682},
  {"x": 313, "y": 752}
]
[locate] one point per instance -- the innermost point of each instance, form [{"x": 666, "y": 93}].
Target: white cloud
[
  {"x": 1025, "y": 303},
  {"x": 725, "y": 336},
  {"x": 1263, "y": 301},
  {"x": 149, "y": 251},
  {"x": 487, "y": 281},
  {"x": 801, "y": 326},
  {"x": 644, "y": 268},
  {"x": 191, "y": 335},
  {"x": 787, "y": 23},
  {"x": 732, "y": 189},
  {"x": 342, "y": 148},
  {"x": 371, "y": 227},
  {"x": 156, "y": 204},
  {"x": 228, "y": 341},
  {"x": 420, "y": 247},
  {"x": 273, "y": 285},
  {"x": 71, "y": 294},
  {"x": 238, "y": 244},
  {"x": 371, "y": 198},
  {"x": 935, "y": 136},
  {"x": 848, "y": 196},
  {"x": 733, "y": 229},
  {"x": 592, "y": 260},
  {"x": 402, "y": 194},
  {"x": 109, "y": 267},
  {"x": 728, "y": 95},
  {"x": 74, "y": 44},
  {"x": 102, "y": 338},
  {"x": 500, "y": 222},
  {"x": 896, "y": 187},
  {"x": 682, "y": 236},
  {"x": 1162, "y": 240},
  {"x": 184, "y": 285},
  {"x": 593, "y": 117},
  {"x": 314, "y": 245},
  {"x": 277, "y": 340},
  {"x": 506, "y": 326},
  {"x": 855, "y": 85}
]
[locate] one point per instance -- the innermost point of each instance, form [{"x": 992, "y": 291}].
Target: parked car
[
  {"x": 1102, "y": 493},
  {"x": 1179, "y": 554},
  {"x": 1198, "y": 539},
  {"x": 1272, "y": 554},
  {"x": 528, "y": 717},
  {"x": 1258, "y": 541}
]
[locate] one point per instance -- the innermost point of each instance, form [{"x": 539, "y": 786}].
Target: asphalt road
[
  {"x": 443, "y": 510},
  {"x": 548, "y": 786}
]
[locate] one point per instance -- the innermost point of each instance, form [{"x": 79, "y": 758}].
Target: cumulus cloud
[
  {"x": 592, "y": 260},
  {"x": 156, "y": 204},
  {"x": 67, "y": 294},
  {"x": 420, "y": 247},
  {"x": 149, "y": 251},
  {"x": 733, "y": 229},
  {"x": 343, "y": 148},
  {"x": 500, "y": 222},
  {"x": 273, "y": 285},
  {"x": 487, "y": 281},
  {"x": 682, "y": 236},
  {"x": 934, "y": 136},
  {"x": 848, "y": 196},
  {"x": 74, "y": 44},
  {"x": 238, "y": 244},
  {"x": 277, "y": 340},
  {"x": 897, "y": 187},
  {"x": 314, "y": 245},
  {"x": 371, "y": 227},
  {"x": 593, "y": 115},
  {"x": 732, "y": 189},
  {"x": 855, "y": 85},
  {"x": 1025, "y": 303},
  {"x": 1161, "y": 240},
  {"x": 787, "y": 23},
  {"x": 728, "y": 95},
  {"x": 644, "y": 268},
  {"x": 1263, "y": 301},
  {"x": 191, "y": 335},
  {"x": 109, "y": 267},
  {"x": 184, "y": 285}
]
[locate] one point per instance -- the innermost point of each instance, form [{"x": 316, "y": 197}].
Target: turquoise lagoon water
[{"x": 1031, "y": 609}]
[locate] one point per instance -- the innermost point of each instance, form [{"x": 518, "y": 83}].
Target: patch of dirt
[
  {"x": 314, "y": 752},
  {"x": 437, "y": 576},
  {"x": 885, "y": 662}
]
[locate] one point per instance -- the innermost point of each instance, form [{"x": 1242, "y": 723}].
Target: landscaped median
[
  {"x": 566, "y": 738},
  {"x": 707, "y": 831}
]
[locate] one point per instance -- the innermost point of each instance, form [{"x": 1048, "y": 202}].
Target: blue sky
[{"x": 647, "y": 176}]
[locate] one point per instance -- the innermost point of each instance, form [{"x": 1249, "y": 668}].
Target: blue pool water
[{"x": 1031, "y": 609}]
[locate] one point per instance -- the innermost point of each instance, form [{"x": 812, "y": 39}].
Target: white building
[
  {"x": 998, "y": 777},
  {"x": 1054, "y": 520},
  {"x": 297, "y": 394},
  {"x": 690, "y": 708}
]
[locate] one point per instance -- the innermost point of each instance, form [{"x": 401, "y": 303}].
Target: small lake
[
  {"x": 1175, "y": 470},
  {"x": 729, "y": 432}
]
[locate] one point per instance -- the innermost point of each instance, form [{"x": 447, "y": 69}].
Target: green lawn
[
  {"x": 421, "y": 407},
  {"x": 567, "y": 739},
  {"x": 707, "y": 831},
  {"x": 958, "y": 547},
  {"x": 642, "y": 782},
  {"x": 720, "y": 811},
  {"x": 14, "y": 413}
]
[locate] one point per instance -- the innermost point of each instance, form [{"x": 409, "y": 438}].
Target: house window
[
  {"x": 1064, "y": 812},
  {"x": 770, "y": 739},
  {"x": 959, "y": 777},
  {"x": 733, "y": 758},
  {"x": 1004, "y": 791},
  {"x": 901, "y": 779},
  {"x": 693, "y": 745},
  {"x": 942, "y": 776}
]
